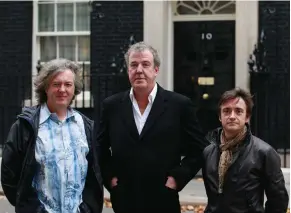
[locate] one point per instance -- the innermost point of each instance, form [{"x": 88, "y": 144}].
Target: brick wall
[
  {"x": 114, "y": 25},
  {"x": 273, "y": 110},
  {"x": 15, "y": 59},
  {"x": 15, "y": 37},
  {"x": 274, "y": 18}
]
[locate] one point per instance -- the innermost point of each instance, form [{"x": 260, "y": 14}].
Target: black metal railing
[
  {"x": 84, "y": 100},
  {"x": 19, "y": 92},
  {"x": 271, "y": 95}
]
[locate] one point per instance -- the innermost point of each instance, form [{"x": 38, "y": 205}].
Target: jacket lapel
[
  {"x": 158, "y": 107},
  {"x": 127, "y": 116}
]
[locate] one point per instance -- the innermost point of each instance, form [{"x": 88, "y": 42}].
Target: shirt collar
[
  {"x": 151, "y": 97},
  {"x": 45, "y": 113}
]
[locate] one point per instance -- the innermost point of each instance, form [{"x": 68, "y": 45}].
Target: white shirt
[{"x": 139, "y": 118}]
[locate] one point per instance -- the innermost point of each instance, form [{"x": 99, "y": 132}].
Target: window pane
[
  {"x": 47, "y": 48},
  {"x": 84, "y": 48},
  {"x": 67, "y": 47},
  {"x": 46, "y": 17},
  {"x": 85, "y": 75},
  {"x": 83, "y": 17},
  {"x": 65, "y": 17}
]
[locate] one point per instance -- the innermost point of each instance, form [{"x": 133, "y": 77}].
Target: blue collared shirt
[{"x": 60, "y": 152}]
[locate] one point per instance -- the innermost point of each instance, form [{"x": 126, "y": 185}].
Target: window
[
  {"x": 62, "y": 30},
  {"x": 204, "y": 7}
]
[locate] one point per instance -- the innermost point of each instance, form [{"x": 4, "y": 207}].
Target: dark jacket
[
  {"x": 19, "y": 166},
  {"x": 142, "y": 162},
  {"x": 256, "y": 170}
]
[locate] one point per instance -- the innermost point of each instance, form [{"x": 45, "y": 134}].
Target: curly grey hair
[
  {"x": 49, "y": 71},
  {"x": 140, "y": 47}
]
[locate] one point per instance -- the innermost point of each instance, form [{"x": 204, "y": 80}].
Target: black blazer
[{"x": 171, "y": 128}]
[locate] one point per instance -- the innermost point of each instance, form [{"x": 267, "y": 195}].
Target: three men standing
[{"x": 51, "y": 161}]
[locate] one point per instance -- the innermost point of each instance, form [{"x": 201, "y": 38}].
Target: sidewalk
[{"x": 193, "y": 194}]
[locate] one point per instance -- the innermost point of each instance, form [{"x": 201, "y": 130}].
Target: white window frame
[{"x": 78, "y": 102}]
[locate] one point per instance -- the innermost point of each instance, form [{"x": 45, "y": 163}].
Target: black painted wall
[
  {"x": 113, "y": 23},
  {"x": 15, "y": 59},
  {"x": 274, "y": 18},
  {"x": 114, "y": 26},
  {"x": 272, "y": 89}
]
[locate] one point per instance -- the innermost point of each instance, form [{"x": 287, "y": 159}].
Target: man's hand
[
  {"x": 114, "y": 182},
  {"x": 171, "y": 183}
]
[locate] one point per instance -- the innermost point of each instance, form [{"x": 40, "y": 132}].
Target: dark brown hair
[{"x": 237, "y": 93}]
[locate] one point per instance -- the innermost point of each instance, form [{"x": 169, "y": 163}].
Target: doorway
[{"x": 204, "y": 65}]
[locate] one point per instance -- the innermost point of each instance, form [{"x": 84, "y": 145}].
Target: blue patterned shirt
[{"x": 60, "y": 152}]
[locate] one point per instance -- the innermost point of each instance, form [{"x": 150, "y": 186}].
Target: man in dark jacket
[
  {"x": 142, "y": 135},
  {"x": 240, "y": 167},
  {"x": 48, "y": 164}
]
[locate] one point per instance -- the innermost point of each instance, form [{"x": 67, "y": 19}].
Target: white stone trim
[
  {"x": 215, "y": 17},
  {"x": 246, "y": 31},
  {"x": 64, "y": 33},
  {"x": 170, "y": 49},
  {"x": 156, "y": 33}
]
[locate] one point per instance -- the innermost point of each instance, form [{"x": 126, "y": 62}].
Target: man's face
[
  {"x": 233, "y": 115},
  {"x": 61, "y": 89},
  {"x": 141, "y": 70}
]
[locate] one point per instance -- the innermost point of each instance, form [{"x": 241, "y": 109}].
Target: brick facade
[
  {"x": 15, "y": 59},
  {"x": 272, "y": 89},
  {"x": 274, "y": 18},
  {"x": 114, "y": 25}
]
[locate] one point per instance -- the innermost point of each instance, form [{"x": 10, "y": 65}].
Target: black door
[{"x": 204, "y": 65}]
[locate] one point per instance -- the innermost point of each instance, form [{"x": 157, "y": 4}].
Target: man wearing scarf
[{"x": 239, "y": 167}]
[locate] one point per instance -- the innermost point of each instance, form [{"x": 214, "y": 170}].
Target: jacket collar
[
  {"x": 32, "y": 115},
  {"x": 151, "y": 97},
  {"x": 158, "y": 107}
]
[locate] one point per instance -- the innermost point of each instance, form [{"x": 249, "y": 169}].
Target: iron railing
[
  {"x": 271, "y": 95},
  {"x": 96, "y": 88}
]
